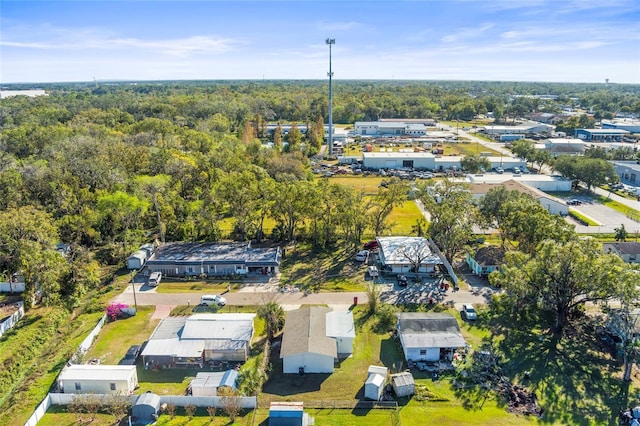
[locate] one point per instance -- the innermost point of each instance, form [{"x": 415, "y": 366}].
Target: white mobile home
[{"x": 99, "y": 379}]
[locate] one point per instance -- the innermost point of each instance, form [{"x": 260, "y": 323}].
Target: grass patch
[
  {"x": 116, "y": 337},
  {"x": 622, "y": 208},
  {"x": 316, "y": 270},
  {"x": 404, "y": 218},
  {"x": 195, "y": 287},
  {"x": 585, "y": 220}
]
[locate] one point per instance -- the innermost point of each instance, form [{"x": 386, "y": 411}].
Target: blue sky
[{"x": 515, "y": 40}]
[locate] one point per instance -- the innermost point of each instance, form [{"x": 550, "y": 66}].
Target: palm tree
[{"x": 274, "y": 317}]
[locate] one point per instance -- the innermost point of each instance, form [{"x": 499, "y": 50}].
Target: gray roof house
[
  {"x": 189, "y": 259},
  {"x": 629, "y": 251},
  {"x": 199, "y": 339},
  {"x": 313, "y": 336},
  {"x": 428, "y": 336}
]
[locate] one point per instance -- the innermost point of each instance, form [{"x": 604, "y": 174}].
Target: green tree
[
  {"x": 294, "y": 138},
  {"x": 563, "y": 276},
  {"x": 123, "y": 212},
  {"x": 383, "y": 203},
  {"x": 524, "y": 149},
  {"x": 474, "y": 163},
  {"x": 621, "y": 233},
  {"x": 274, "y": 317},
  {"x": 452, "y": 215},
  {"x": 277, "y": 137},
  {"x": 27, "y": 245}
]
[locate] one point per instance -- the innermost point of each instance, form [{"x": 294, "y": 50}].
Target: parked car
[
  {"x": 574, "y": 202},
  {"x": 402, "y": 280},
  {"x": 371, "y": 245},
  {"x": 131, "y": 356},
  {"x": 499, "y": 170},
  {"x": 154, "y": 279},
  {"x": 362, "y": 256},
  {"x": 372, "y": 271},
  {"x": 468, "y": 312},
  {"x": 212, "y": 299},
  {"x": 516, "y": 170}
]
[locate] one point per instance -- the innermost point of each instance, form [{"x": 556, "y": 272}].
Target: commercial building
[
  {"x": 428, "y": 161},
  {"x": 601, "y": 135},
  {"x": 412, "y": 128},
  {"x": 629, "y": 172},
  {"x": 631, "y": 126}
]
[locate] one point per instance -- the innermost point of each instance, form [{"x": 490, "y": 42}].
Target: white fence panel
[
  {"x": 88, "y": 341},
  {"x": 248, "y": 402},
  {"x": 7, "y": 288},
  {"x": 39, "y": 412},
  {"x": 67, "y": 398},
  {"x": 446, "y": 263},
  {"x": 12, "y": 320}
]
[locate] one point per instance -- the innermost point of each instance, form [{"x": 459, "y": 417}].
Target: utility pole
[
  {"x": 330, "y": 41},
  {"x": 133, "y": 286}
]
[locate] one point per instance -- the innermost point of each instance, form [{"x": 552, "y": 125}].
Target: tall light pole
[{"x": 330, "y": 41}]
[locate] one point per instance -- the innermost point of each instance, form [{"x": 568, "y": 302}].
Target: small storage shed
[
  {"x": 287, "y": 414},
  {"x": 146, "y": 407},
  {"x": 137, "y": 259},
  {"x": 374, "y": 386},
  {"x": 403, "y": 384},
  {"x": 207, "y": 384}
]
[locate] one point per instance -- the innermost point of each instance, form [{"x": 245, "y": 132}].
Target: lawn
[
  {"x": 347, "y": 383},
  {"x": 198, "y": 286},
  {"x": 322, "y": 270},
  {"x": 116, "y": 337}
]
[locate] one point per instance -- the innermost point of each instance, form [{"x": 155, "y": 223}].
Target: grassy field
[
  {"x": 116, "y": 337},
  {"x": 198, "y": 286},
  {"x": 322, "y": 271}
]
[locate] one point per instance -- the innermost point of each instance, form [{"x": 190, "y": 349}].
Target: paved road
[{"x": 260, "y": 294}]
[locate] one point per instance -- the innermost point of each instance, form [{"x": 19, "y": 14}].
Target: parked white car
[
  {"x": 362, "y": 256},
  {"x": 213, "y": 299},
  {"x": 373, "y": 271}
]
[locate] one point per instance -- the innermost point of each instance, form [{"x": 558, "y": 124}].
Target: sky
[{"x": 510, "y": 40}]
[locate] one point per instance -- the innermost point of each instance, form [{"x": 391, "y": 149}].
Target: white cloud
[
  {"x": 81, "y": 39},
  {"x": 467, "y": 33}
]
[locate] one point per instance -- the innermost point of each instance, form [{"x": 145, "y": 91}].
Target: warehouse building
[{"x": 601, "y": 135}]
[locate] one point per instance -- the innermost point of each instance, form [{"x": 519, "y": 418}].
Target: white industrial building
[
  {"x": 414, "y": 128},
  {"x": 552, "y": 204},
  {"x": 527, "y": 128},
  {"x": 546, "y": 183},
  {"x": 428, "y": 161},
  {"x": 401, "y": 255}
]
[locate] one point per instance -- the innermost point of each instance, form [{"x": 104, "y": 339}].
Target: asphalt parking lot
[{"x": 608, "y": 218}]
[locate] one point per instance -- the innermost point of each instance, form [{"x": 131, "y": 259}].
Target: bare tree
[
  {"x": 373, "y": 296},
  {"x": 416, "y": 253},
  {"x": 230, "y": 400},
  {"x": 117, "y": 404},
  {"x": 212, "y": 412},
  {"x": 190, "y": 410},
  {"x": 85, "y": 406}
]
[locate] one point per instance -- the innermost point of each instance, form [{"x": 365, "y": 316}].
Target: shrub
[{"x": 115, "y": 311}]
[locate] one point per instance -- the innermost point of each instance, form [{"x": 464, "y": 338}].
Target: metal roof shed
[
  {"x": 207, "y": 384},
  {"x": 146, "y": 407},
  {"x": 403, "y": 384}
]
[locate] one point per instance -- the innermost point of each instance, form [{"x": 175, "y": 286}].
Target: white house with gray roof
[
  {"x": 313, "y": 339},
  {"x": 428, "y": 336}
]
